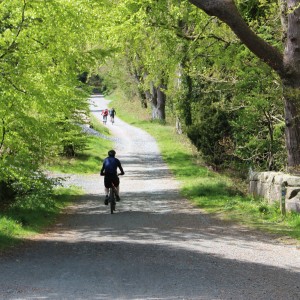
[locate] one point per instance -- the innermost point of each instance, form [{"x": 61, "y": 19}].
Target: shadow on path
[{"x": 128, "y": 269}]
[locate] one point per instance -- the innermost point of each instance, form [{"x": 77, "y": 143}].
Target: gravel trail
[{"x": 156, "y": 245}]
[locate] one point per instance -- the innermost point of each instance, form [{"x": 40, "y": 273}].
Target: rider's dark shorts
[{"x": 111, "y": 179}]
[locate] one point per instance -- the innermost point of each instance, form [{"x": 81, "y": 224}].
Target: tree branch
[
  {"x": 20, "y": 27},
  {"x": 226, "y": 11},
  {"x": 10, "y": 82},
  {"x": 3, "y": 134}
]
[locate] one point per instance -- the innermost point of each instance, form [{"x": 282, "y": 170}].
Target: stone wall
[{"x": 276, "y": 186}]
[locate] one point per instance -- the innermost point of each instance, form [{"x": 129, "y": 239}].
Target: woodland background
[{"x": 170, "y": 57}]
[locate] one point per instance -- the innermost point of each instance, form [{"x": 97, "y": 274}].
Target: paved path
[{"x": 156, "y": 246}]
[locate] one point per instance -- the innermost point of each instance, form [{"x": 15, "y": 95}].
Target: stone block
[
  {"x": 254, "y": 176},
  {"x": 293, "y": 181},
  {"x": 268, "y": 176},
  {"x": 253, "y": 188},
  {"x": 274, "y": 193},
  {"x": 280, "y": 178},
  {"x": 293, "y": 204},
  {"x": 262, "y": 189}
]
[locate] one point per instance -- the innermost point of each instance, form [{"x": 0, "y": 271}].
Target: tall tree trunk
[
  {"x": 292, "y": 129},
  {"x": 161, "y": 103},
  {"x": 185, "y": 89},
  {"x": 178, "y": 126},
  {"x": 143, "y": 97},
  {"x": 152, "y": 97},
  {"x": 291, "y": 87},
  {"x": 188, "y": 109}
]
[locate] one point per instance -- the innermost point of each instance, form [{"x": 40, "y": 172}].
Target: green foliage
[
  {"x": 209, "y": 128},
  {"x": 231, "y": 106},
  {"x": 226, "y": 100},
  {"x": 258, "y": 127},
  {"x": 145, "y": 35},
  {"x": 215, "y": 193},
  {"x": 44, "y": 45},
  {"x": 38, "y": 199}
]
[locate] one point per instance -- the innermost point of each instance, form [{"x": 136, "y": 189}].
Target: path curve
[{"x": 156, "y": 246}]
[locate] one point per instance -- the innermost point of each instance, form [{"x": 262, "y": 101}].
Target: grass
[
  {"x": 217, "y": 194},
  {"x": 89, "y": 161},
  {"x": 30, "y": 215}
]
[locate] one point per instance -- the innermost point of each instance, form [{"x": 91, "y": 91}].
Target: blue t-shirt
[{"x": 110, "y": 166}]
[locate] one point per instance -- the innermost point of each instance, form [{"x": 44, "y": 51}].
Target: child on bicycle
[{"x": 109, "y": 171}]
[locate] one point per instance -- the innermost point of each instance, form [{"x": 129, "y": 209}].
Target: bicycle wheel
[{"x": 112, "y": 200}]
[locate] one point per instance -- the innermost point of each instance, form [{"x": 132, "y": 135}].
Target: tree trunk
[
  {"x": 291, "y": 87},
  {"x": 292, "y": 129},
  {"x": 152, "y": 97},
  {"x": 143, "y": 97},
  {"x": 178, "y": 125},
  {"x": 161, "y": 103},
  {"x": 154, "y": 110},
  {"x": 188, "y": 109},
  {"x": 185, "y": 89}
]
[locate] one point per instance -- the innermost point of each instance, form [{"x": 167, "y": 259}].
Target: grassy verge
[
  {"x": 30, "y": 215},
  {"x": 87, "y": 162},
  {"x": 215, "y": 193}
]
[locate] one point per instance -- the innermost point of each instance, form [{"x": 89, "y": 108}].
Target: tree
[
  {"x": 286, "y": 64},
  {"x": 144, "y": 36},
  {"x": 44, "y": 46}
]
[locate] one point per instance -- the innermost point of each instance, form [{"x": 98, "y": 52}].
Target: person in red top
[{"x": 105, "y": 114}]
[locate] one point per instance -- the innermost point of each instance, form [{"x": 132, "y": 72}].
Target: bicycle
[
  {"x": 112, "y": 120},
  {"x": 104, "y": 120},
  {"x": 112, "y": 198}
]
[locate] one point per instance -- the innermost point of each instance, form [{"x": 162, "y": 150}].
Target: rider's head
[{"x": 111, "y": 153}]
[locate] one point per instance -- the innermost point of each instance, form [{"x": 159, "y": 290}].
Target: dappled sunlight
[{"x": 157, "y": 223}]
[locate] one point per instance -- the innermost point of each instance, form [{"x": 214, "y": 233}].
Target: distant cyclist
[
  {"x": 112, "y": 114},
  {"x": 109, "y": 171},
  {"x": 104, "y": 115}
]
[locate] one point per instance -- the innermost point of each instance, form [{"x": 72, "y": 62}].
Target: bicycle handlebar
[{"x": 117, "y": 174}]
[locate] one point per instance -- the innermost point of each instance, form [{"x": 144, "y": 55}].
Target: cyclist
[
  {"x": 105, "y": 114},
  {"x": 112, "y": 114},
  {"x": 109, "y": 171}
]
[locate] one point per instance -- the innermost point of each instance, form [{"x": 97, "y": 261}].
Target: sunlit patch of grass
[
  {"x": 87, "y": 162},
  {"x": 10, "y": 231}
]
